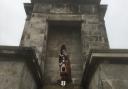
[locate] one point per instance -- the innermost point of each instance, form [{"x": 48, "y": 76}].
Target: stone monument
[{"x": 80, "y": 26}]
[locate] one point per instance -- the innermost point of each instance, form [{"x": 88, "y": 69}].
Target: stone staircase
[
  {"x": 55, "y": 86},
  {"x": 71, "y": 39}
]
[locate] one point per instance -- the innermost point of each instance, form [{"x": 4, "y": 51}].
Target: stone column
[{"x": 35, "y": 34}]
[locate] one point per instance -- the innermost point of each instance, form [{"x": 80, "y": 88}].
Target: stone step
[
  {"x": 52, "y": 54},
  {"x": 76, "y": 74},
  {"x": 76, "y": 80},
  {"x": 57, "y": 51},
  {"x": 71, "y": 55},
  {"x": 55, "y": 67},
  {"x": 52, "y": 60},
  {"x": 49, "y": 80},
  {"x": 76, "y": 61},
  {"x": 53, "y": 79},
  {"x": 76, "y": 67},
  {"x": 73, "y": 73},
  {"x": 52, "y": 76},
  {"x": 56, "y": 86}
]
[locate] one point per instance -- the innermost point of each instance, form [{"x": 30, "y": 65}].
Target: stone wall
[
  {"x": 10, "y": 74},
  {"x": 34, "y": 34},
  {"x": 19, "y": 68},
  {"x": 15, "y": 75},
  {"x": 110, "y": 76},
  {"x": 93, "y": 34},
  {"x": 26, "y": 79},
  {"x": 106, "y": 69}
]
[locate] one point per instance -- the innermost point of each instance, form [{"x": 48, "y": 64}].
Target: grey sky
[
  {"x": 12, "y": 19},
  {"x": 117, "y": 23}
]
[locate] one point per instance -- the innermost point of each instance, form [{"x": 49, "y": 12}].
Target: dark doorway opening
[{"x": 59, "y": 33}]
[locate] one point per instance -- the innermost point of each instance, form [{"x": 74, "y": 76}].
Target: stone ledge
[
  {"x": 97, "y": 57},
  {"x": 28, "y": 8},
  {"x": 68, "y": 1},
  {"x": 102, "y": 10}
]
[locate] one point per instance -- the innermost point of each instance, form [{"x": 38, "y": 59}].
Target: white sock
[
  {"x": 64, "y": 83},
  {"x": 61, "y": 83}
]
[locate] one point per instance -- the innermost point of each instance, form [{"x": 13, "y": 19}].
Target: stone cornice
[
  {"x": 71, "y": 1},
  {"x": 102, "y": 10},
  {"x": 28, "y": 8}
]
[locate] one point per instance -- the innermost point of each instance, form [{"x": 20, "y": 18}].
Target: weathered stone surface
[
  {"x": 15, "y": 75},
  {"x": 114, "y": 75},
  {"x": 53, "y": 86},
  {"x": 106, "y": 84},
  {"x": 19, "y": 68},
  {"x": 77, "y": 24},
  {"x": 34, "y": 34},
  {"x": 26, "y": 79},
  {"x": 109, "y": 71},
  {"x": 57, "y": 36},
  {"x": 10, "y": 75},
  {"x": 106, "y": 69}
]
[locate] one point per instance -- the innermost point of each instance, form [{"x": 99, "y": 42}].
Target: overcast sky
[{"x": 12, "y": 19}]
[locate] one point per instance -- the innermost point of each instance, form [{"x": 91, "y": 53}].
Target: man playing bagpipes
[{"x": 64, "y": 64}]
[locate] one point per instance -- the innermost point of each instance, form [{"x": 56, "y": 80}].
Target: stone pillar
[
  {"x": 35, "y": 35},
  {"x": 93, "y": 34}
]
